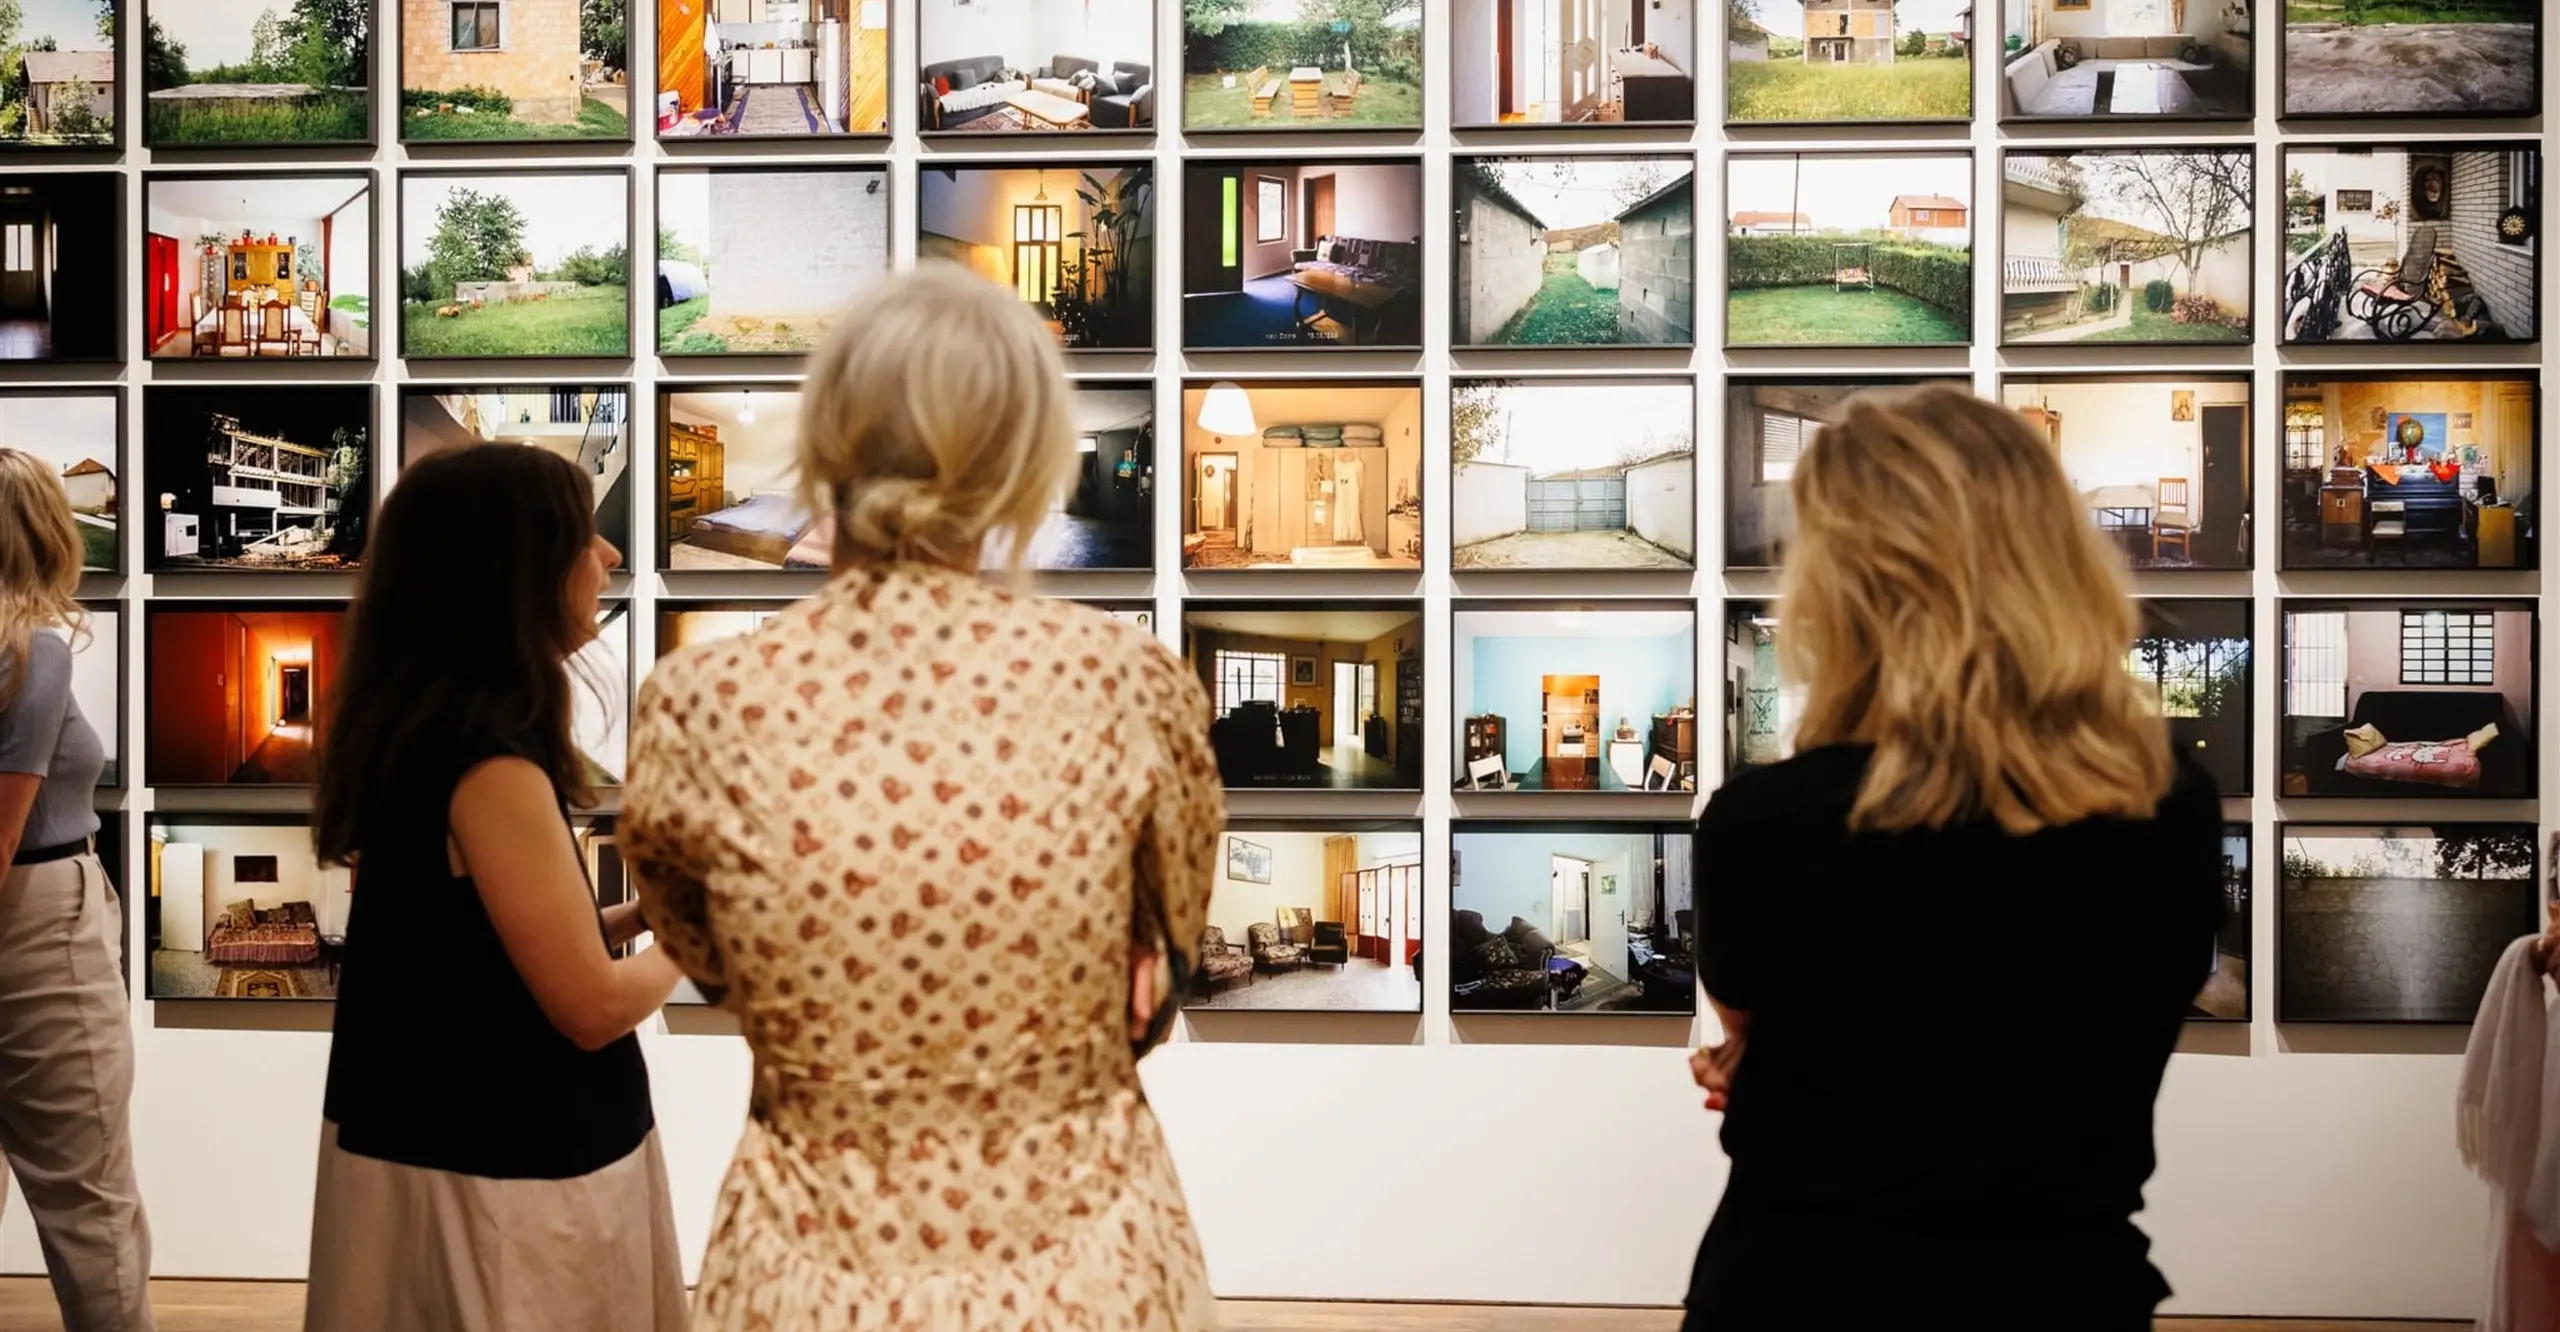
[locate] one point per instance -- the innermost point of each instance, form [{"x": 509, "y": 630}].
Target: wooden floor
[{"x": 26, "y": 1305}]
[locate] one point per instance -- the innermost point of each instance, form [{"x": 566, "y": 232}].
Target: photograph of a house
[
  {"x": 2423, "y": 470},
  {"x": 1322, "y": 474},
  {"x": 1848, "y": 249},
  {"x": 1572, "y": 918},
  {"x": 1036, "y": 67},
  {"x": 1302, "y": 64},
  {"x": 2155, "y": 59},
  {"x": 1076, "y": 241},
  {"x": 726, "y": 496},
  {"x": 238, "y": 906},
  {"x": 2161, "y": 461},
  {"x": 1572, "y": 251},
  {"x": 2401, "y": 923},
  {"x": 2432, "y": 243},
  {"x": 58, "y": 81},
  {"x": 2130, "y": 245},
  {"x": 588, "y": 424},
  {"x": 1301, "y": 253},
  {"x": 504, "y": 70},
  {"x": 1572, "y": 474},
  {"x": 2411, "y": 700},
  {"x": 79, "y": 436},
  {"x": 61, "y": 270},
  {"x": 1307, "y": 917},
  {"x": 1573, "y": 62},
  {"x": 763, "y": 69},
  {"x": 1848, "y": 61},
  {"x": 256, "y": 478},
  {"x": 724, "y": 288},
  {"x": 1767, "y": 423},
  {"x": 2371, "y": 59},
  {"x": 515, "y": 264},
  {"x": 233, "y": 693},
  {"x": 1564, "y": 696},
  {"x": 258, "y": 267},
  {"x": 256, "y": 72},
  {"x": 1311, "y": 695}
]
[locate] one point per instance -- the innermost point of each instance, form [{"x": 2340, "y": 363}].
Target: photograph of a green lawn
[
  {"x": 1847, "y": 61},
  {"x": 1848, "y": 249},
  {"x": 532, "y": 69},
  {"x": 515, "y": 264},
  {"x": 58, "y": 80},
  {"x": 1575, "y": 251},
  {"x": 2133, "y": 245},
  {"x": 1301, "y": 64},
  {"x": 256, "y": 72}
]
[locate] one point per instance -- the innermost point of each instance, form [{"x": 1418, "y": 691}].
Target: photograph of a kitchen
[
  {"x": 1303, "y": 474},
  {"x": 588, "y": 424},
  {"x": 1076, "y": 240},
  {"x": 97, "y": 680},
  {"x": 59, "y": 81},
  {"x": 2409, "y": 699},
  {"x": 772, "y": 69},
  {"x": 2161, "y": 461},
  {"x": 1035, "y": 66},
  {"x": 2406, "y": 242},
  {"x": 233, "y": 692},
  {"x": 1575, "y": 251},
  {"x": 258, "y": 267},
  {"x": 1767, "y": 422},
  {"x": 273, "y": 479},
  {"x": 1575, "y": 696},
  {"x": 725, "y": 288},
  {"x": 238, "y": 906},
  {"x": 2399, "y": 923},
  {"x": 501, "y": 71},
  {"x": 725, "y": 488},
  {"x": 1573, "y": 62},
  {"x": 79, "y": 435},
  {"x": 1301, "y": 254},
  {"x": 2421, "y": 470},
  {"x": 1311, "y": 695},
  {"x": 1308, "y": 917},
  {"x": 1572, "y": 474},
  {"x": 1572, "y": 917},
  {"x": 61, "y": 271}
]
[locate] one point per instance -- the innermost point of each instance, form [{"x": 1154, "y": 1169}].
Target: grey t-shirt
[{"x": 43, "y": 733}]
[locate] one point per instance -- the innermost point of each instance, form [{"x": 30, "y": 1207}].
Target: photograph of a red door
[{"x": 160, "y": 280}]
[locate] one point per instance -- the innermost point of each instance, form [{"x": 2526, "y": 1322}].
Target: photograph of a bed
[{"x": 772, "y": 528}]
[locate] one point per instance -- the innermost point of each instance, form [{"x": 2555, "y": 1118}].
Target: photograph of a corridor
[
  {"x": 1314, "y": 918},
  {"x": 2398, "y": 924},
  {"x": 232, "y": 694},
  {"x": 59, "y": 288},
  {"x": 1575, "y": 251}
]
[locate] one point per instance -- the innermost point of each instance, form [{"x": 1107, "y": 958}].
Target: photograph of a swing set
[{"x": 1849, "y": 249}]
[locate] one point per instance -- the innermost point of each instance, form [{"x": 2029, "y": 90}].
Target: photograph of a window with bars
[{"x": 2390, "y": 699}]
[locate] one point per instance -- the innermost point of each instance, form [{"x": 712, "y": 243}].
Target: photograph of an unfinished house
[{"x": 266, "y": 479}]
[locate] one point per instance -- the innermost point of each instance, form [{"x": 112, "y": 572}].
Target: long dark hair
[{"x": 461, "y": 630}]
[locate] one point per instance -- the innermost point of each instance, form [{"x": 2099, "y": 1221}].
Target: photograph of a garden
[
  {"x": 515, "y": 264},
  {"x": 1848, "y": 249},
  {"x": 256, "y": 71},
  {"x": 2137, "y": 245},
  {"x": 58, "y": 80},
  {"x": 1847, "y": 61},
  {"x": 1301, "y": 64},
  {"x": 1574, "y": 251}
]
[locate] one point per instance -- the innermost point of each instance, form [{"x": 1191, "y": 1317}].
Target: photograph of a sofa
[
  {"x": 984, "y": 94},
  {"x": 2409, "y": 699}
]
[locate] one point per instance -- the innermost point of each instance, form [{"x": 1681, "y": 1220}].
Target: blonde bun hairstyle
[{"x": 934, "y": 422}]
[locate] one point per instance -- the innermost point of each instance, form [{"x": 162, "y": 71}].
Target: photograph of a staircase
[
  {"x": 589, "y": 424},
  {"x": 1575, "y": 251}
]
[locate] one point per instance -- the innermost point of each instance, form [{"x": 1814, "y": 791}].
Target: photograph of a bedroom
[
  {"x": 2409, "y": 699},
  {"x": 1314, "y": 919},
  {"x": 1571, "y": 918},
  {"x": 725, "y": 494},
  {"x": 238, "y": 907},
  {"x": 1565, "y": 697}
]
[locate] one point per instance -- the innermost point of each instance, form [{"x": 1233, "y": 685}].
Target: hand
[
  {"x": 1712, "y": 1067},
  {"x": 1142, "y": 993}
]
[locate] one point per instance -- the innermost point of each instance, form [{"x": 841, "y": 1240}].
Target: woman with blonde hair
[
  {"x": 1951, "y": 940},
  {"x": 931, "y": 840},
  {"x": 66, "y": 1046}
]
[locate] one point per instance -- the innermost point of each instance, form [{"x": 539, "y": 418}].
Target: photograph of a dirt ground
[{"x": 2426, "y": 57}]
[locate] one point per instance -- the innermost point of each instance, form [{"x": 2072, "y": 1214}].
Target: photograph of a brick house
[
  {"x": 1075, "y": 240},
  {"x": 2377, "y": 59},
  {"x": 2162, "y": 462},
  {"x": 1573, "y": 62},
  {"x": 1877, "y": 249},
  {"x": 2107, "y": 59},
  {"x": 2409, "y": 699},
  {"x": 1301, "y": 254},
  {"x": 1848, "y": 61},
  {"x": 2398, "y": 924},
  {"x": 2428, "y": 243},
  {"x": 258, "y": 267},
  {"x": 1035, "y": 66},
  {"x": 58, "y": 80},
  {"x": 515, "y": 263},
  {"x": 250, "y": 72},
  {"x": 724, "y": 288},
  {"x": 1305, "y": 474},
  {"x": 1767, "y": 423},
  {"x": 79, "y": 435},
  {"x": 1575, "y": 251},
  {"x": 500, "y": 70},
  {"x": 773, "y": 69},
  {"x": 2129, "y": 246},
  {"x": 1301, "y": 64},
  {"x": 1313, "y": 917},
  {"x": 1572, "y": 474},
  {"x": 2420, "y": 470}
]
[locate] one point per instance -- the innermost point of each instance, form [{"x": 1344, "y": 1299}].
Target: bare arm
[
  {"x": 17, "y": 801},
  {"x": 506, "y": 823},
  {"x": 623, "y": 923}
]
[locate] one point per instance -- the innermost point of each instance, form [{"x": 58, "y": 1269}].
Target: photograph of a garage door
[{"x": 1572, "y": 474}]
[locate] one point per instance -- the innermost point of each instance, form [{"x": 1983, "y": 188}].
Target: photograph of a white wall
[
  {"x": 1572, "y": 474},
  {"x": 1575, "y": 251},
  {"x": 78, "y": 436},
  {"x": 600, "y": 697},
  {"x": 757, "y": 262},
  {"x": 1571, "y": 918}
]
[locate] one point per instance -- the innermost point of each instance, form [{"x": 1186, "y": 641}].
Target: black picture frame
[
  {"x": 2314, "y": 991},
  {"x": 847, "y": 15},
  {"x": 1109, "y": 327},
  {"x": 1476, "y": 40},
  {"x": 115, "y": 776},
  {"x": 665, "y": 281},
  {"x": 177, "y": 470},
  {"x": 120, "y": 458},
  {"x": 93, "y": 240},
  {"x": 1663, "y": 773},
  {"x": 2433, "y": 511},
  {"x": 1564, "y": 501},
  {"x": 2028, "y": 186},
  {"x": 1758, "y": 514},
  {"x": 1234, "y": 975},
  {"x": 22, "y": 149},
  {"x": 2333, "y": 80},
  {"x": 401, "y": 266},
  {"x": 164, "y": 711},
  {"x": 1736, "y": 39},
  {"x": 263, "y": 983},
  {"x": 1367, "y": 266},
  {"x": 2313, "y": 747},
  {"x": 1200, "y": 537},
  {"x": 1202, "y": 50},
  {"x": 781, "y": 541},
  {"x": 2227, "y": 998},
  {"x": 181, "y": 253},
  {"x": 1290, "y": 754},
  {"x": 1666, "y": 986},
  {"x": 372, "y": 70},
  {"x": 2198, "y": 657},
  {"x": 931, "y": 123},
  {"x": 2213, "y": 104},
  {"x": 422, "y": 418},
  {"x": 2219, "y": 466}
]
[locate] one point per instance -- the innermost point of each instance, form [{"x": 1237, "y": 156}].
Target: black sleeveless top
[{"x": 442, "y": 1059}]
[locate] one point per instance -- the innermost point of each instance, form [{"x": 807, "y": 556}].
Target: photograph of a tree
[
  {"x": 2144, "y": 246},
  {"x": 249, "y": 72},
  {"x": 515, "y": 265},
  {"x": 66, "y": 94},
  {"x": 1239, "y": 56}
]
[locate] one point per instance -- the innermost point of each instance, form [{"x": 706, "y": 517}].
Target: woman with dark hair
[{"x": 488, "y": 1158}]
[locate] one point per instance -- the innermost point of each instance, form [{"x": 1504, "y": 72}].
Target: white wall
[
  {"x": 1027, "y": 33},
  {"x": 1671, "y": 29},
  {"x": 1662, "y": 504},
  {"x": 794, "y": 243},
  {"x": 2222, "y": 272},
  {"x": 1376, "y": 203},
  {"x": 2029, "y": 232},
  {"x": 1471, "y": 63},
  {"x": 2120, "y": 434},
  {"x": 1297, "y": 879},
  {"x": 1487, "y": 500},
  {"x": 2383, "y": 172}
]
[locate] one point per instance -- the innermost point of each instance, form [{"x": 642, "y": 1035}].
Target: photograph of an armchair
[
  {"x": 1270, "y": 951},
  {"x": 1331, "y": 948},
  {"x": 1297, "y": 924},
  {"x": 1133, "y": 106},
  {"x": 1486, "y": 970},
  {"x": 1221, "y": 962}
]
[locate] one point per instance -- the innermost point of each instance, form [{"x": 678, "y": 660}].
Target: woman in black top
[
  {"x": 1952, "y": 939},
  {"x": 489, "y": 1159}
]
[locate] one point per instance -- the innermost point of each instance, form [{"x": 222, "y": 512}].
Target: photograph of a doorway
[
  {"x": 2160, "y": 461},
  {"x": 61, "y": 273},
  {"x": 1571, "y": 918},
  {"x": 1572, "y": 62},
  {"x": 228, "y": 691},
  {"x": 1302, "y": 253},
  {"x": 1302, "y": 474},
  {"x": 1314, "y": 917},
  {"x": 1564, "y": 696}
]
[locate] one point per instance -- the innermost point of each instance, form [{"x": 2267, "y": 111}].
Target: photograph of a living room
[
  {"x": 1572, "y": 62},
  {"x": 253, "y": 478},
  {"x": 1035, "y": 66},
  {"x": 255, "y": 73},
  {"x": 1848, "y": 62},
  {"x": 1302, "y": 64},
  {"x": 2422, "y": 470},
  {"x": 1302, "y": 254},
  {"x": 79, "y": 435},
  {"x": 2135, "y": 245},
  {"x": 1302, "y": 474},
  {"x": 233, "y": 693},
  {"x": 2161, "y": 461},
  {"x": 773, "y": 70},
  {"x": 1767, "y": 422},
  {"x": 1575, "y": 251},
  {"x": 2411, "y": 59},
  {"x": 1313, "y": 918},
  {"x": 258, "y": 267},
  {"x": 1572, "y": 918},
  {"x": 62, "y": 87},
  {"x": 2409, "y": 699},
  {"x": 238, "y": 906},
  {"x": 1075, "y": 240},
  {"x": 1311, "y": 695},
  {"x": 522, "y": 264},
  {"x": 555, "y": 71},
  {"x": 62, "y": 299},
  {"x": 725, "y": 484},
  {"x": 2402, "y": 923},
  {"x": 2427, "y": 242},
  {"x": 723, "y": 288},
  {"x": 97, "y": 681},
  {"x": 1841, "y": 249},
  {"x": 1557, "y": 474},
  {"x": 588, "y": 424},
  {"x": 1572, "y": 696},
  {"x": 2225, "y": 996},
  {"x": 2145, "y": 59}
]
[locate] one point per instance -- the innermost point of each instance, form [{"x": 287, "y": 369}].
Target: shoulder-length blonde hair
[
  {"x": 40, "y": 558},
  {"x": 934, "y": 422},
  {"x": 1947, "y": 601}
]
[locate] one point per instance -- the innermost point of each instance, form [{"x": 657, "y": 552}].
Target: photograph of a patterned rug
[
  {"x": 773, "y": 109},
  {"x": 259, "y": 983},
  {"x": 1008, "y": 119}
]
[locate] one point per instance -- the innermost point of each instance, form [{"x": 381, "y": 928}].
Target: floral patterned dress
[{"x": 908, "y": 825}]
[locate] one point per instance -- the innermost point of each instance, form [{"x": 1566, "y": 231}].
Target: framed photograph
[
  {"x": 1358, "y": 728},
  {"x": 2193, "y": 658},
  {"x": 1302, "y": 672},
  {"x": 59, "y": 230},
  {"x": 1575, "y": 251},
  {"x": 1003, "y": 69},
  {"x": 240, "y": 907},
  {"x": 66, "y": 93},
  {"x": 1760, "y": 707},
  {"x": 2226, "y": 992},
  {"x": 600, "y": 697},
  {"x": 247, "y": 477},
  {"x": 523, "y": 264},
  {"x": 2424, "y": 470},
  {"x": 1564, "y": 696},
  {"x": 258, "y": 267},
  {"x": 111, "y": 855},
  {"x": 79, "y": 434},
  {"x": 1848, "y": 62},
  {"x": 2071, "y": 60},
  {"x": 1138, "y": 615},
  {"x": 1555, "y": 474},
  {"x": 1314, "y": 916},
  {"x": 1284, "y": 65},
  {"x": 1767, "y": 422},
  {"x": 1843, "y": 249},
  {"x": 1248, "y": 862},
  {"x": 1531, "y": 931},
  {"x": 2388, "y": 699},
  {"x": 726, "y": 498},
  {"x": 687, "y": 623},
  {"x": 2478, "y": 58},
  {"x": 1337, "y": 264},
  {"x": 232, "y": 691},
  {"x": 2160, "y": 461},
  {"x": 97, "y": 682},
  {"x": 588, "y": 424},
  {"x": 2398, "y": 924},
  {"x": 2138, "y": 245},
  {"x": 2442, "y": 250},
  {"x": 772, "y": 69},
  {"x": 516, "y": 71},
  {"x": 256, "y": 73},
  {"x": 1526, "y": 64},
  {"x": 1075, "y": 240},
  {"x": 725, "y": 289},
  {"x": 1302, "y": 474}
]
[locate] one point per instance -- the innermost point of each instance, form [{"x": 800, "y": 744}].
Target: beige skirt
[{"x": 398, "y": 1248}]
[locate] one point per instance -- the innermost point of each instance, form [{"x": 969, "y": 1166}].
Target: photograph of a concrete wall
[
  {"x": 1575, "y": 251},
  {"x": 2398, "y": 924},
  {"x": 729, "y": 284},
  {"x": 1572, "y": 474}
]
